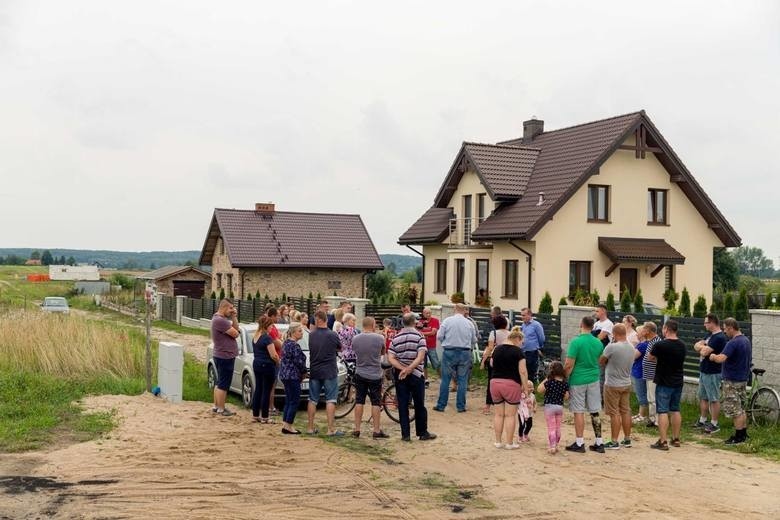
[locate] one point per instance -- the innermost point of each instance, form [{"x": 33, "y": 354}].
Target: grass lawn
[
  {"x": 16, "y": 290},
  {"x": 174, "y": 327}
]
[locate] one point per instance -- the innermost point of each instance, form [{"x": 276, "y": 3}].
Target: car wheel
[
  {"x": 247, "y": 389},
  {"x": 212, "y": 376}
]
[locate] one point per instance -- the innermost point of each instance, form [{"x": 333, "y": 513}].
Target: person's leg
[
  {"x": 361, "y": 389},
  {"x": 676, "y": 420},
  {"x": 376, "y": 418},
  {"x": 611, "y": 409},
  {"x": 269, "y": 381},
  {"x": 358, "y": 417},
  {"x": 640, "y": 389},
  {"x": 651, "y": 403},
  {"x": 446, "y": 376},
  {"x": 549, "y": 418},
  {"x": 558, "y": 421},
  {"x": 330, "y": 411},
  {"x": 311, "y": 409},
  {"x": 292, "y": 396},
  {"x": 463, "y": 366},
  {"x": 498, "y": 423},
  {"x": 488, "y": 398},
  {"x": 256, "y": 394},
  {"x": 527, "y": 425},
  {"x": 315, "y": 387},
  {"x": 375, "y": 394},
  {"x": 625, "y": 412},
  {"x": 532, "y": 364},
  {"x": 433, "y": 354},
  {"x": 402, "y": 395},
  {"x": 663, "y": 426},
  {"x": 331, "y": 395},
  {"x": 220, "y": 396},
  {"x": 579, "y": 426},
  {"x": 417, "y": 385},
  {"x": 510, "y": 422}
]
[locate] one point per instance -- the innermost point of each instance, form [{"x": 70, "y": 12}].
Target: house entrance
[{"x": 628, "y": 280}]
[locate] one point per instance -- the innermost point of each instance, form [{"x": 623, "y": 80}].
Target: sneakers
[
  {"x": 658, "y": 445},
  {"x": 575, "y": 447},
  {"x": 612, "y": 445},
  {"x": 379, "y": 435},
  {"x": 638, "y": 419},
  {"x": 734, "y": 440},
  {"x": 437, "y": 409},
  {"x": 427, "y": 436},
  {"x": 711, "y": 428},
  {"x": 598, "y": 448},
  {"x": 650, "y": 424},
  {"x": 225, "y": 413},
  {"x": 512, "y": 446},
  {"x": 498, "y": 445},
  {"x": 626, "y": 443},
  {"x": 699, "y": 424}
]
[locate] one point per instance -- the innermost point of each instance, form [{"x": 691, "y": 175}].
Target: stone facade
[
  {"x": 766, "y": 344},
  {"x": 277, "y": 281},
  {"x": 165, "y": 285},
  {"x": 571, "y": 315}
]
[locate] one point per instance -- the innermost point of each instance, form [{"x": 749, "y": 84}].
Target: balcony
[{"x": 461, "y": 230}]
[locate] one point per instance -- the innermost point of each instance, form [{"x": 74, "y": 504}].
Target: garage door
[{"x": 191, "y": 288}]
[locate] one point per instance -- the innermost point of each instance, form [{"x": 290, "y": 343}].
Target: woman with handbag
[{"x": 291, "y": 372}]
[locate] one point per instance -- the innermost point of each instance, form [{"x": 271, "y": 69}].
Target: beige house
[
  {"x": 284, "y": 252},
  {"x": 603, "y": 206}
]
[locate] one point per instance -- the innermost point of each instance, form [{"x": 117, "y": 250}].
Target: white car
[
  {"x": 55, "y": 304},
  {"x": 243, "y": 381}
]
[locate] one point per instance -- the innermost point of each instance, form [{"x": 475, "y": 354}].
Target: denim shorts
[
  {"x": 329, "y": 386},
  {"x": 709, "y": 387},
  {"x": 667, "y": 398},
  {"x": 224, "y": 372},
  {"x": 640, "y": 389}
]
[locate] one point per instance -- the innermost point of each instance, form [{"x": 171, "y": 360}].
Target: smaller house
[
  {"x": 74, "y": 272},
  {"x": 33, "y": 261},
  {"x": 178, "y": 280}
]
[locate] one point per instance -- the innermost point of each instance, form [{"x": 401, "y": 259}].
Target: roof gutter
[
  {"x": 422, "y": 292},
  {"x": 530, "y": 265}
]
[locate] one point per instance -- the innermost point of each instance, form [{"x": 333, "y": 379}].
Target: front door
[{"x": 628, "y": 281}]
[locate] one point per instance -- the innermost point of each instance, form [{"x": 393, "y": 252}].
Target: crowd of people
[{"x": 601, "y": 368}]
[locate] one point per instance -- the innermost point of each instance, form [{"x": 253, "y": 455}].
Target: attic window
[{"x": 598, "y": 203}]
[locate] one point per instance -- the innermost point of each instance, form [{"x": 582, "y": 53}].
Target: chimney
[
  {"x": 264, "y": 208},
  {"x": 532, "y": 128},
  {"x": 541, "y": 198}
]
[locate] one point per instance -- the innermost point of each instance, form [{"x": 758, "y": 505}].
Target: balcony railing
[{"x": 461, "y": 230}]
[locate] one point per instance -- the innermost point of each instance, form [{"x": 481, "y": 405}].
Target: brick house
[
  {"x": 179, "y": 280},
  {"x": 601, "y": 206},
  {"x": 292, "y": 253}
]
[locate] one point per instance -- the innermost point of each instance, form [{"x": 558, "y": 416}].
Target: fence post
[{"x": 179, "y": 308}]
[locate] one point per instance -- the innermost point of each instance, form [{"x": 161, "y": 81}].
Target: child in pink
[
  {"x": 555, "y": 390},
  {"x": 525, "y": 412}
]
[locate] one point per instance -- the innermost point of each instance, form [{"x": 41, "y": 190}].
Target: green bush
[
  {"x": 457, "y": 297},
  {"x": 595, "y": 297},
  {"x": 545, "y": 306},
  {"x": 213, "y": 295},
  {"x": 562, "y": 301},
  {"x": 685, "y": 303},
  {"x": 126, "y": 282},
  {"x": 768, "y": 299},
  {"x": 221, "y": 293},
  {"x": 700, "y": 307},
  {"x": 610, "y": 303},
  {"x": 670, "y": 296},
  {"x": 625, "y": 300},
  {"x": 639, "y": 302},
  {"x": 741, "y": 311},
  {"x": 729, "y": 309}
]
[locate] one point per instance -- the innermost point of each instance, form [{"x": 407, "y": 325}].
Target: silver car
[
  {"x": 55, "y": 304},
  {"x": 243, "y": 381}
]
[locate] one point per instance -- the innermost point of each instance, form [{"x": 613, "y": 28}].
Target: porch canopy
[{"x": 639, "y": 250}]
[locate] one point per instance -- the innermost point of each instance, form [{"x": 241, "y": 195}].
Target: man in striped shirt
[
  {"x": 648, "y": 370},
  {"x": 407, "y": 353}
]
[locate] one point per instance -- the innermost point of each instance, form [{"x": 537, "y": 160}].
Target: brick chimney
[
  {"x": 532, "y": 128},
  {"x": 265, "y": 208}
]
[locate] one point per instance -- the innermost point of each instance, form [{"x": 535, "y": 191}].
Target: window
[
  {"x": 441, "y": 276},
  {"x": 221, "y": 246},
  {"x": 229, "y": 285},
  {"x": 483, "y": 274},
  {"x": 656, "y": 206},
  {"x": 579, "y": 277},
  {"x": 460, "y": 273},
  {"x": 510, "y": 278},
  {"x": 219, "y": 280},
  {"x": 334, "y": 284},
  {"x": 481, "y": 207},
  {"x": 598, "y": 203}
]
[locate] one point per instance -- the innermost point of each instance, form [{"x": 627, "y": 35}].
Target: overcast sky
[{"x": 125, "y": 123}]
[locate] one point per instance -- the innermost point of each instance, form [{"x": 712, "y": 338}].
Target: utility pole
[{"x": 150, "y": 301}]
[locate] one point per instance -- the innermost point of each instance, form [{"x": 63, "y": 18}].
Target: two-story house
[{"x": 603, "y": 206}]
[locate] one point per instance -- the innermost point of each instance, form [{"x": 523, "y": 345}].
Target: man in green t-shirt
[{"x": 582, "y": 369}]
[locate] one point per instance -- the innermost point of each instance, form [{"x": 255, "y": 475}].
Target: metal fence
[
  {"x": 380, "y": 312},
  {"x": 690, "y": 331},
  {"x": 248, "y": 310},
  {"x": 168, "y": 305}
]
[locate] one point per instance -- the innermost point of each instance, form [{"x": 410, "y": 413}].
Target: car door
[{"x": 235, "y": 383}]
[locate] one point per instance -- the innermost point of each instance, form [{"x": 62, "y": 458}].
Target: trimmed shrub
[
  {"x": 562, "y": 301},
  {"x": 685, "y": 303},
  {"x": 545, "y": 306},
  {"x": 729, "y": 309},
  {"x": 610, "y": 303},
  {"x": 221, "y": 293},
  {"x": 741, "y": 312},
  {"x": 625, "y": 300},
  {"x": 639, "y": 302},
  {"x": 595, "y": 297},
  {"x": 670, "y": 296},
  {"x": 213, "y": 295},
  {"x": 700, "y": 307}
]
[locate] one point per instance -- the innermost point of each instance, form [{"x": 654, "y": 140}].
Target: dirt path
[{"x": 178, "y": 461}]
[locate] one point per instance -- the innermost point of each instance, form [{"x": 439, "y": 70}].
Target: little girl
[
  {"x": 555, "y": 389},
  {"x": 525, "y": 411}
]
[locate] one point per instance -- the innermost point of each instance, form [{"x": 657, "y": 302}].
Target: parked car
[
  {"x": 55, "y": 304},
  {"x": 243, "y": 381}
]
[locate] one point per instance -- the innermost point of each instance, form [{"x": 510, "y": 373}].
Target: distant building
[
  {"x": 179, "y": 280},
  {"x": 74, "y": 272},
  {"x": 32, "y": 261},
  {"x": 284, "y": 252}
]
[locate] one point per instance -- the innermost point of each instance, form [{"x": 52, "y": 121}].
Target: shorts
[
  {"x": 329, "y": 386},
  {"x": 667, "y": 398},
  {"x": 640, "y": 389},
  {"x": 734, "y": 393},
  {"x": 370, "y": 387},
  {"x": 616, "y": 400},
  {"x": 585, "y": 398},
  {"x": 709, "y": 387},
  {"x": 505, "y": 391},
  {"x": 225, "y": 369}
]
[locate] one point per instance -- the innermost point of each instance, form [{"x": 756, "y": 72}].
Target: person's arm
[
  {"x": 417, "y": 361},
  {"x": 523, "y": 373},
  {"x": 442, "y": 331},
  {"x": 638, "y": 353},
  {"x": 540, "y": 335},
  {"x": 488, "y": 351},
  {"x": 271, "y": 348},
  {"x": 603, "y": 360},
  {"x": 718, "y": 358},
  {"x": 541, "y": 388},
  {"x": 394, "y": 360},
  {"x": 568, "y": 366}
]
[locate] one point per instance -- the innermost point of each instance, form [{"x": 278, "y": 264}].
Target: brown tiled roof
[
  {"x": 645, "y": 250},
  {"x": 290, "y": 239},
  {"x": 432, "y": 227},
  {"x": 170, "y": 270}
]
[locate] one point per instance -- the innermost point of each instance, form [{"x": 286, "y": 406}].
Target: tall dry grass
[{"x": 68, "y": 346}]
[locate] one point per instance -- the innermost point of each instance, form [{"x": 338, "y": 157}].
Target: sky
[{"x": 125, "y": 123}]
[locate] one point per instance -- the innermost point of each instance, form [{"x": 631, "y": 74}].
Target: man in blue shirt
[
  {"x": 532, "y": 343},
  {"x": 456, "y": 335},
  {"x": 736, "y": 358},
  {"x": 710, "y": 375}
]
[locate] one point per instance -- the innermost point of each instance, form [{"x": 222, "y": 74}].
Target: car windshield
[{"x": 55, "y": 302}]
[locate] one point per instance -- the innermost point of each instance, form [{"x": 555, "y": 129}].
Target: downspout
[
  {"x": 530, "y": 265},
  {"x": 422, "y": 292}
]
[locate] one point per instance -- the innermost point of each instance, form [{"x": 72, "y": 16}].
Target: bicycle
[
  {"x": 762, "y": 403},
  {"x": 345, "y": 401}
]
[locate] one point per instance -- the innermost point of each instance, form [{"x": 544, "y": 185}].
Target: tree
[
  {"x": 639, "y": 302},
  {"x": 741, "y": 312},
  {"x": 751, "y": 284},
  {"x": 152, "y": 266},
  {"x": 221, "y": 293},
  {"x": 379, "y": 284},
  {"x": 545, "y": 306},
  {"x": 213, "y": 295},
  {"x": 257, "y": 294},
  {"x": 725, "y": 271},
  {"x": 562, "y": 301},
  {"x": 700, "y": 307},
  {"x": 46, "y": 258},
  {"x": 391, "y": 268},
  {"x": 685, "y": 303},
  {"x": 62, "y": 260},
  {"x": 190, "y": 263},
  {"x": 752, "y": 261},
  {"x": 409, "y": 276},
  {"x": 35, "y": 255},
  {"x": 610, "y": 303},
  {"x": 729, "y": 310},
  {"x": 625, "y": 300},
  {"x": 71, "y": 261},
  {"x": 768, "y": 299},
  {"x": 670, "y": 296},
  {"x": 419, "y": 271},
  {"x": 595, "y": 297}
]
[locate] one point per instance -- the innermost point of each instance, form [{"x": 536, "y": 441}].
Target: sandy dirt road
[{"x": 179, "y": 461}]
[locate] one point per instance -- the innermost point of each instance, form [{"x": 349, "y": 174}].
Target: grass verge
[{"x": 174, "y": 327}]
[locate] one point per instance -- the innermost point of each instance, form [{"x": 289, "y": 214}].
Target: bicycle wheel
[
  {"x": 765, "y": 407},
  {"x": 390, "y": 404},
  {"x": 345, "y": 402}
]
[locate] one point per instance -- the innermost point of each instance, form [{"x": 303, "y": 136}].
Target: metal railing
[{"x": 461, "y": 230}]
